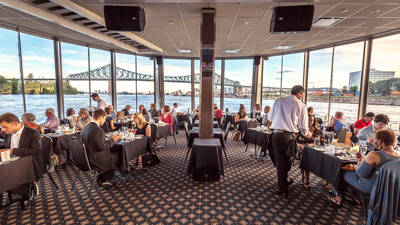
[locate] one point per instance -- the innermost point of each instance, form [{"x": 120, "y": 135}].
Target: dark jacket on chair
[
  {"x": 29, "y": 143},
  {"x": 97, "y": 147}
]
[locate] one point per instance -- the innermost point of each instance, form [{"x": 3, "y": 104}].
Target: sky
[{"x": 38, "y": 59}]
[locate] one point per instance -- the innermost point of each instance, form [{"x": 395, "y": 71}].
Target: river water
[{"x": 38, "y": 103}]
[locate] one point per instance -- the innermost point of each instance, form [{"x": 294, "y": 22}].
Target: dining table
[{"x": 326, "y": 164}]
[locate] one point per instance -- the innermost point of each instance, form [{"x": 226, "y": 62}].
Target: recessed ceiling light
[
  {"x": 343, "y": 10},
  {"x": 245, "y": 22},
  {"x": 282, "y": 47},
  {"x": 231, "y": 51},
  {"x": 185, "y": 51},
  {"x": 181, "y": 43},
  {"x": 375, "y": 11},
  {"x": 171, "y": 22},
  {"x": 326, "y": 21}
]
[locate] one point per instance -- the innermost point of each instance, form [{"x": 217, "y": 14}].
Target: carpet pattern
[{"x": 165, "y": 194}]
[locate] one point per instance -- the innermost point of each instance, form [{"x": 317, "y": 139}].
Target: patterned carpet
[{"x": 165, "y": 194}]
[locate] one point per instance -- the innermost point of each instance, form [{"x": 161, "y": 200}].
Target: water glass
[{"x": 316, "y": 141}]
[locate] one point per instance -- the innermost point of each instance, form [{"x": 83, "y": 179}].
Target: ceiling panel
[
  {"x": 253, "y": 10},
  {"x": 374, "y": 10},
  {"x": 344, "y": 10}
]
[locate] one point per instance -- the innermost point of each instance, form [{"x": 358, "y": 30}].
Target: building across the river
[{"x": 374, "y": 76}]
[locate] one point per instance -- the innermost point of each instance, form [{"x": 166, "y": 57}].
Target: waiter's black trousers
[{"x": 280, "y": 142}]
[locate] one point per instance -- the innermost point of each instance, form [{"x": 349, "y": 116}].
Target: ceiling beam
[
  {"x": 42, "y": 14},
  {"x": 100, "y": 20}
]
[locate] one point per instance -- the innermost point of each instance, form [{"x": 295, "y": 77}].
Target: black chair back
[
  {"x": 79, "y": 155},
  {"x": 228, "y": 126},
  {"x": 252, "y": 124},
  {"x": 185, "y": 124},
  {"x": 153, "y": 132},
  {"x": 65, "y": 121},
  {"x": 191, "y": 121},
  {"x": 352, "y": 128},
  {"x": 45, "y": 154}
]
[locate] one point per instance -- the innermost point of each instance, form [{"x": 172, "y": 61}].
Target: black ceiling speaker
[
  {"x": 124, "y": 18},
  {"x": 291, "y": 18}
]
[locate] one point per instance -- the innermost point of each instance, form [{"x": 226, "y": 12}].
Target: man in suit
[
  {"x": 126, "y": 110},
  {"x": 98, "y": 148},
  {"x": 21, "y": 141}
]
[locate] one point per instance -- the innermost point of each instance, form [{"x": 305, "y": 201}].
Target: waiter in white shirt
[
  {"x": 289, "y": 116},
  {"x": 101, "y": 104}
]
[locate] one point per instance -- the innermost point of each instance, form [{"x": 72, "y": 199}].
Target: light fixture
[
  {"x": 282, "y": 47},
  {"x": 343, "y": 10},
  {"x": 231, "y": 51},
  {"x": 375, "y": 11},
  {"x": 245, "y": 22},
  {"x": 326, "y": 21},
  {"x": 171, "y": 22},
  {"x": 185, "y": 51}
]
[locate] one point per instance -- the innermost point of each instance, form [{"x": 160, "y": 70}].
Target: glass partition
[
  {"x": 271, "y": 80},
  {"x": 11, "y": 99},
  {"x": 100, "y": 75},
  {"x": 238, "y": 81},
  {"x": 384, "y": 79},
  {"x": 177, "y": 87},
  {"x": 197, "y": 84},
  {"x": 292, "y": 72},
  {"x": 74, "y": 59},
  {"x": 126, "y": 81},
  {"x": 39, "y": 75},
  {"x": 345, "y": 90},
  {"x": 145, "y": 89},
  {"x": 319, "y": 78}
]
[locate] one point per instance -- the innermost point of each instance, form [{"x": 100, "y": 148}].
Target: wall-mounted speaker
[
  {"x": 124, "y": 18},
  {"x": 291, "y": 18}
]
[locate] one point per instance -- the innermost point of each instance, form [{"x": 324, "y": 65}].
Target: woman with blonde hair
[{"x": 143, "y": 128}]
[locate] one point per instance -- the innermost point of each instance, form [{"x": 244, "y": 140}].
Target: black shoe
[
  {"x": 283, "y": 194},
  {"x": 106, "y": 183},
  {"x": 290, "y": 181}
]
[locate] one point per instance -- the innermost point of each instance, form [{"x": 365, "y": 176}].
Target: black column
[
  {"x": 207, "y": 57},
  {"x": 256, "y": 89},
  {"x": 159, "y": 82},
  {"x": 59, "y": 79},
  {"x": 113, "y": 80}
]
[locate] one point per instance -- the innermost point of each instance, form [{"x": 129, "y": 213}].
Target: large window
[
  {"x": 100, "y": 78},
  {"x": 238, "y": 81},
  {"x": 197, "y": 84},
  {"x": 384, "y": 78},
  {"x": 126, "y": 81},
  {"x": 75, "y": 76},
  {"x": 39, "y": 75},
  {"x": 10, "y": 83},
  {"x": 345, "y": 93},
  {"x": 271, "y": 80},
  {"x": 319, "y": 78},
  {"x": 177, "y": 87},
  {"x": 292, "y": 72},
  {"x": 217, "y": 84},
  {"x": 145, "y": 88}
]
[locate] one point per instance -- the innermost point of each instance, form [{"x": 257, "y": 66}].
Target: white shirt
[
  {"x": 101, "y": 104},
  {"x": 174, "y": 111},
  {"x": 15, "y": 137},
  {"x": 289, "y": 114}
]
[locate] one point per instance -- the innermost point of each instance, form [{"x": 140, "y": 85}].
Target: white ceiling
[{"x": 243, "y": 26}]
